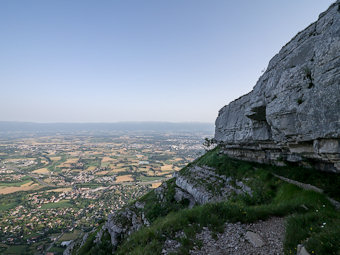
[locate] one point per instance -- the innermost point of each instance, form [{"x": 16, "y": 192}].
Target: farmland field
[
  {"x": 24, "y": 187},
  {"x": 124, "y": 178},
  {"x": 41, "y": 171}
]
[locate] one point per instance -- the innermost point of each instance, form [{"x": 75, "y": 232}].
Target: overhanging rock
[{"x": 293, "y": 112}]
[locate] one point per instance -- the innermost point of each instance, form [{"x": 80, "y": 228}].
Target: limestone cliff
[
  {"x": 220, "y": 205},
  {"x": 293, "y": 112}
]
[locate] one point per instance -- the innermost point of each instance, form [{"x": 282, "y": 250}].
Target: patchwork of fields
[{"x": 55, "y": 188}]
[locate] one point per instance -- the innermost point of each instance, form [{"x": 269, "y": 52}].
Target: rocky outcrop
[
  {"x": 123, "y": 223},
  {"x": 293, "y": 112},
  {"x": 206, "y": 186},
  {"x": 69, "y": 248}
]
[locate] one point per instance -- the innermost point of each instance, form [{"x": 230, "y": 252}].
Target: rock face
[
  {"x": 123, "y": 223},
  {"x": 206, "y": 186},
  {"x": 293, "y": 112}
]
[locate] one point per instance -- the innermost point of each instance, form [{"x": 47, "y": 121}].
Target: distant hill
[{"x": 31, "y": 127}]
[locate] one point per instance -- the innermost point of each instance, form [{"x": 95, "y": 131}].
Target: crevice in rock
[{"x": 258, "y": 113}]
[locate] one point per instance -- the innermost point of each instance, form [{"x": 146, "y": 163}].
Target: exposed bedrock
[
  {"x": 206, "y": 186},
  {"x": 293, "y": 112}
]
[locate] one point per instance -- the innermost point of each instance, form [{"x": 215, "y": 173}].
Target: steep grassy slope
[{"x": 310, "y": 218}]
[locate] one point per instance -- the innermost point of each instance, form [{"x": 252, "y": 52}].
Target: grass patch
[
  {"x": 70, "y": 236},
  {"x": 154, "y": 208},
  {"x": 24, "y": 180},
  {"x": 329, "y": 182},
  {"x": 57, "y": 250},
  {"x": 17, "y": 249},
  {"x": 8, "y": 206},
  {"x": 61, "y": 204},
  {"x": 9, "y": 201},
  {"x": 223, "y": 165},
  {"x": 149, "y": 178}
]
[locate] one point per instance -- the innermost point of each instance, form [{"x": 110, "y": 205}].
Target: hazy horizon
[
  {"x": 95, "y": 127},
  {"x": 109, "y": 122},
  {"x": 138, "y": 61}
]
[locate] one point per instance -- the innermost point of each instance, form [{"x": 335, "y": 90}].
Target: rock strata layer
[
  {"x": 293, "y": 112},
  {"x": 204, "y": 185}
]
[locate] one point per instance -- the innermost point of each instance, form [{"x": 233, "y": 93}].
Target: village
[{"x": 55, "y": 188}]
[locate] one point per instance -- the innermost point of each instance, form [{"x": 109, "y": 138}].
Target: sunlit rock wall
[{"x": 293, "y": 112}]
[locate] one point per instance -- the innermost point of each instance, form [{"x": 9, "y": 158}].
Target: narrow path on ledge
[{"x": 307, "y": 186}]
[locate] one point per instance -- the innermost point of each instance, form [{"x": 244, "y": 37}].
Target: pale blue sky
[{"x": 135, "y": 60}]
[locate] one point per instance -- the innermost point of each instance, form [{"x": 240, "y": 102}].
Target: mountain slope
[
  {"x": 167, "y": 220},
  {"x": 291, "y": 120}
]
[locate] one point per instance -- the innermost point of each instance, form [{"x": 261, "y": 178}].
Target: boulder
[{"x": 254, "y": 238}]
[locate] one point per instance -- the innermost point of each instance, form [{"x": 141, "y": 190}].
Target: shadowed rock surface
[{"x": 293, "y": 112}]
